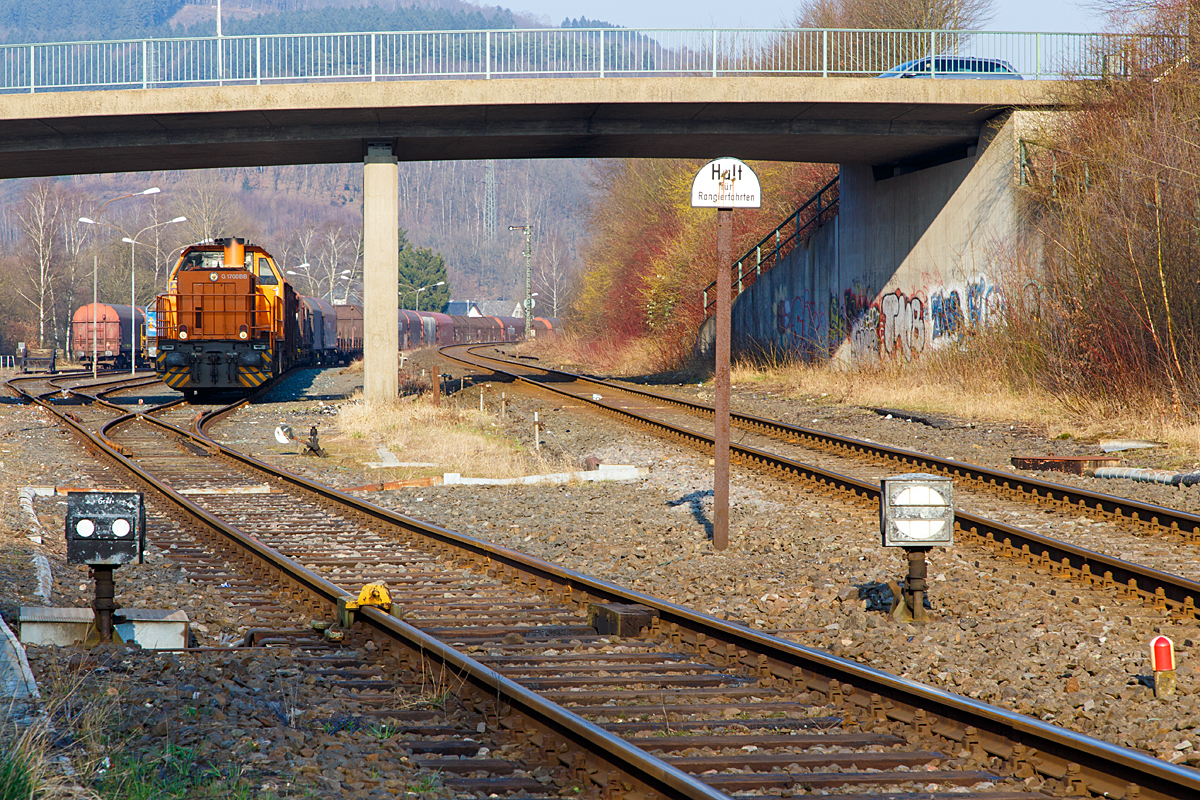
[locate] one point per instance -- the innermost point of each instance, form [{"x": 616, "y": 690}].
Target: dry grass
[
  {"x": 632, "y": 357},
  {"x": 938, "y": 387},
  {"x": 27, "y": 770},
  {"x": 464, "y": 441}
]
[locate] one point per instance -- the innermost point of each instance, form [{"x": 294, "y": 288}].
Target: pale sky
[{"x": 1011, "y": 15}]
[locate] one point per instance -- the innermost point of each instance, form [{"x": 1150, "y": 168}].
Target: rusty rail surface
[
  {"x": 1154, "y": 586},
  {"x": 1074, "y": 759}
]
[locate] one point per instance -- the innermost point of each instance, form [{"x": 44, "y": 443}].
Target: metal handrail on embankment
[
  {"x": 571, "y": 52},
  {"x": 815, "y": 212}
]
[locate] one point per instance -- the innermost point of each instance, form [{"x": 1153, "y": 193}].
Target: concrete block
[
  {"x": 152, "y": 629},
  {"x": 45, "y": 625}
]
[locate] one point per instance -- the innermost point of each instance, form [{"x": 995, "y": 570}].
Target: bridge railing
[
  {"x": 566, "y": 52},
  {"x": 787, "y": 236}
]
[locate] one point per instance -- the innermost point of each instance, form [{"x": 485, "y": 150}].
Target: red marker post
[{"x": 1162, "y": 661}]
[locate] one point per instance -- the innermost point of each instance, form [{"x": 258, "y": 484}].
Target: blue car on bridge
[{"x": 962, "y": 67}]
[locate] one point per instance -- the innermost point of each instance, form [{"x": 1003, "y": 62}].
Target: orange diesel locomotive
[{"x": 227, "y": 321}]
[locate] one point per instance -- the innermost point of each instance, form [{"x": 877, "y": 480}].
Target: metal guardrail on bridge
[
  {"x": 815, "y": 212},
  {"x": 558, "y": 52}
]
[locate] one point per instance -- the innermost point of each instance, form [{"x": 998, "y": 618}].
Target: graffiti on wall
[
  {"x": 895, "y": 325},
  {"x": 800, "y": 327},
  {"x": 945, "y": 314},
  {"x": 983, "y": 302},
  {"x": 899, "y": 325},
  {"x": 902, "y": 324}
]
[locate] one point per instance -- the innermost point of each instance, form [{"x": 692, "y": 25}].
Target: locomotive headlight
[
  {"x": 243, "y": 333},
  {"x": 85, "y": 527},
  {"x": 183, "y": 331}
]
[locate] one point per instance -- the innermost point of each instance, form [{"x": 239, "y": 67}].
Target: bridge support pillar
[{"x": 381, "y": 244}]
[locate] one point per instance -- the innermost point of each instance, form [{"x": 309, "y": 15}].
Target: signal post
[{"x": 723, "y": 184}]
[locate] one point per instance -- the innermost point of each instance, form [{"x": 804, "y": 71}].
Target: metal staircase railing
[{"x": 815, "y": 212}]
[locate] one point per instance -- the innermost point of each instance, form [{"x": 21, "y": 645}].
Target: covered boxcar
[
  {"x": 116, "y": 334},
  {"x": 349, "y": 333}
]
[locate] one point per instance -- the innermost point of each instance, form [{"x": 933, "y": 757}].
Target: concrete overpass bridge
[{"x": 782, "y": 95}]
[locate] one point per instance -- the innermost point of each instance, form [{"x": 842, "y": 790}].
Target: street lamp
[
  {"x": 96, "y": 260},
  {"x": 133, "y": 349},
  {"x": 304, "y": 267},
  {"x": 347, "y": 274},
  {"x": 417, "y": 294}
]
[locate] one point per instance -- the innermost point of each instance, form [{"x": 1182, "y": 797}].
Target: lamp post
[
  {"x": 133, "y": 349},
  {"x": 347, "y": 274},
  {"x": 304, "y": 267},
  {"x": 528, "y": 273},
  {"x": 417, "y": 294},
  {"x": 96, "y": 260}
]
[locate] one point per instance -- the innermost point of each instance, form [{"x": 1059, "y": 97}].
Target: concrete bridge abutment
[
  {"x": 381, "y": 246},
  {"x": 915, "y": 259}
]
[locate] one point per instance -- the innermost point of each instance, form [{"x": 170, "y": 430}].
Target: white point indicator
[{"x": 919, "y": 529}]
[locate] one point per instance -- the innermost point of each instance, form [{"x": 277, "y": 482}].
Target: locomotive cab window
[
  {"x": 266, "y": 275},
  {"x": 199, "y": 260}
]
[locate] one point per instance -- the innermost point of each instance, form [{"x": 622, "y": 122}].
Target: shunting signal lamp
[
  {"x": 916, "y": 512},
  {"x": 916, "y": 509},
  {"x": 104, "y": 531}
]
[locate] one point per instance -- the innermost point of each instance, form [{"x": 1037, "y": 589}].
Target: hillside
[{"x": 79, "y": 20}]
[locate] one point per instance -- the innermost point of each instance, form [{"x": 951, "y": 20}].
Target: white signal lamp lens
[
  {"x": 85, "y": 527},
  {"x": 120, "y": 527}
]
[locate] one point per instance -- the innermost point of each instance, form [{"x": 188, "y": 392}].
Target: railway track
[
  {"x": 1157, "y": 587},
  {"x": 686, "y": 706}
]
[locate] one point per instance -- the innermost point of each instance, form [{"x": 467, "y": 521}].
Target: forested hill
[{"x": 81, "y": 20}]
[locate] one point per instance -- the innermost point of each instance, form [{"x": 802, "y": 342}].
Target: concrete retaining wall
[{"x": 908, "y": 265}]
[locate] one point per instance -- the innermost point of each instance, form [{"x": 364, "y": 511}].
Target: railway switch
[
  {"x": 105, "y": 530},
  {"x": 374, "y": 595},
  {"x": 916, "y": 512}
]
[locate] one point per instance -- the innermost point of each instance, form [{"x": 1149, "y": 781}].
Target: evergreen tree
[{"x": 422, "y": 267}]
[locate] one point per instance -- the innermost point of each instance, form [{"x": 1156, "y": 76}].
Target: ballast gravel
[{"x": 804, "y": 564}]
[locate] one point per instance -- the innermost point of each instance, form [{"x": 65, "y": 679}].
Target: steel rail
[
  {"x": 1160, "y": 588},
  {"x": 1147, "y": 514},
  {"x": 1107, "y": 769},
  {"x": 656, "y": 774},
  {"x": 1104, "y": 768}
]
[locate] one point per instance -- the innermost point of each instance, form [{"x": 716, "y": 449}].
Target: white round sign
[
  {"x": 726, "y": 183},
  {"x": 920, "y": 529}
]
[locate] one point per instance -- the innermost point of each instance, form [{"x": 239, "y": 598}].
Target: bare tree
[
  {"x": 208, "y": 205},
  {"x": 895, "y": 14},
  {"x": 39, "y": 219},
  {"x": 553, "y": 273},
  {"x": 331, "y": 250},
  {"x": 299, "y": 250},
  {"x": 74, "y": 240}
]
